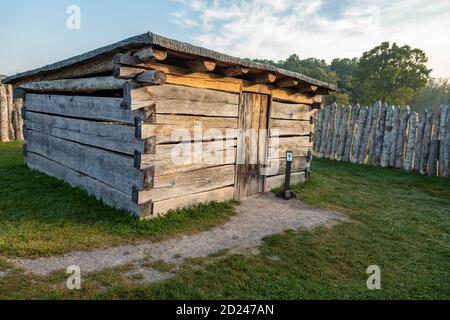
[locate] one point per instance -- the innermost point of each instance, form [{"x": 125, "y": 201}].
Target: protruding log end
[{"x": 200, "y": 65}]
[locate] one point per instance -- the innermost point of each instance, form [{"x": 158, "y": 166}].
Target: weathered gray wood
[
  {"x": 363, "y": 150},
  {"x": 114, "y": 169},
  {"x": 149, "y": 54},
  {"x": 426, "y": 143},
  {"x": 4, "y": 115},
  {"x": 394, "y": 133},
  {"x": 447, "y": 145},
  {"x": 373, "y": 133},
  {"x": 10, "y": 105},
  {"x": 151, "y": 77},
  {"x": 419, "y": 140},
  {"x": 362, "y": 118},
  {"x": 177, "y": 185},
  {"x": 350, "y": 133},
  {"x": 331, "y": 122},
  {"x": 98, "y": 108},
  {"x": 318, "y": 137},
  {"x": 101, "y": 191},
  {"x": 434, "y": 147},
  {"x": 380, "y": 134},
  {"x": 343, "y": 132},
  {"x": 387, "y": 138},
  {"x": 336, "y": 132},
  {"x": 401, "y": 138},
  {"x": 411, "y": 142},
  {"x": 83, "y": 85},
  {"x": 115, "y": 137},
  {"x": 444, "y": 110},
  {"x": 324, "y": 131},
  {"x": 18, "y": 121}
]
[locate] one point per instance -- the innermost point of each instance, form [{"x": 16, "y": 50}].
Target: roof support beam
[
  {"x": 265, "y": 77},
  {"x": 235, "y": 71},
  {"x": 200, "y": 65},
  {"x": 287, "y": 82},
  {"x": 150, "y": 54},
  {"x": 307, "y": 88}
]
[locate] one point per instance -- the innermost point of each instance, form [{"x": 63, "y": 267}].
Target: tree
[
  {"x": 391, "y": 74},
  {"x": 345, "y": 70},
  {"x": 434, "y": 94}
]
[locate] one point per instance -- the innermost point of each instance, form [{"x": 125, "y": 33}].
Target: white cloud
[{"x": 317, "y": 28}]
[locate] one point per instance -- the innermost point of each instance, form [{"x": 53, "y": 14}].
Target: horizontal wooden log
[
  {"x": 265, "y": 77},
  {"x": 234, "y": 71},
  {"x": 186, "y": 183},
  {"x": 289, "y": 111},
  {"x": 283, "y": 128},
  {"x": 299, "y": 164},
  {"x": 83, "y": 85},
  {"x": 278, "y": 181},
  {"x": 163, "y": 152},
  {"x": 200, "y": 65},
  {"x": 190, "y": 162},
  {"x": 123, "y": 72},
  {"x": 309, "y": 88},
  {"x": 298, "y": 145},
  {"x": 172, "y": 99},
  {"x": 113, "y": 169},
  {"x": 151, "y": 77},
  {"x": 94, "y": 187},
  {"x": 219, "y": 195},
  {"x": 98, "y": 108},
  {"x": 149, "y": 54},
  {"x": 287, "y": 82},
  {"x": 183, "y": 76},
  {"x": 169, "y": 127},
  {"x": 100, "y": 65},
  {"x": 115, "y": 137}
]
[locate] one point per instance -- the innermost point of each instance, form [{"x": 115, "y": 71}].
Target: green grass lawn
[
  {"x": 398, "y": 221},
  {"x": 41, "y": 216}
]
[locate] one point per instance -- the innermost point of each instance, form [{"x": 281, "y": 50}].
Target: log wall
[
  {"x": 149, "y": 137},
  {"x": 386, "y": 136}
]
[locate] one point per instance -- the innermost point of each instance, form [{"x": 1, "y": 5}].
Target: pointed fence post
[
  {"x": 401, "y": 138},
  {"x": 426, "y": 143},
  {"x": 420, "y": 135},
  {"x": 434, "y": 147},
  {"x": 411, "y": 144},
  {"x": 394, "y": 136},
  {"x": 358, "y": 135},
  {"x": 373, "y": 133},
  {"x": 343, "y": 132},
  {"x": 336, "y": 132},
  {"x": 386, "y": 148}
]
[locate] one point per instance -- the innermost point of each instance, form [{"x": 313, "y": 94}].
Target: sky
[{"x": 35, "y": 33}]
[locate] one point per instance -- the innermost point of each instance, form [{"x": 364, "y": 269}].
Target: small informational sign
[{"x": 289, "y": 156}]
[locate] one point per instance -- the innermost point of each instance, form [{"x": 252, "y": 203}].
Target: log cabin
[{"x": 151, "y": 124}]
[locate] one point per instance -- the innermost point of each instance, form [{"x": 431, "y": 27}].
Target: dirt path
[{"x": 256, "y": 218}]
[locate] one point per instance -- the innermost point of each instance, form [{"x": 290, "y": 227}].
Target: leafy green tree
[
  {"x": 391, "y": 74},
  {"x": 345, "y": 70},
  {"x": 434, "y": 94}
]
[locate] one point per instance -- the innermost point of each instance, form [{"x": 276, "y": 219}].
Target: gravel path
[{"x": 256, "y": 217}]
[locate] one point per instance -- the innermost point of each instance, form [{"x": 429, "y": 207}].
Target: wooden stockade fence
[
  {"x": 10, "y": 115},
  {"x": 385, "y": 136}
]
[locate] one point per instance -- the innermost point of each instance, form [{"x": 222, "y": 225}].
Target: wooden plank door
[{"x": 252, "y": 144}]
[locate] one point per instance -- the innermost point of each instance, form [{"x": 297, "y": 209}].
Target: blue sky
[{"x": 34, "y": 33}]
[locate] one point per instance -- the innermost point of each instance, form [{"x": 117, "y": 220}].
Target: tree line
[{"x": 394, "y": 74}]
